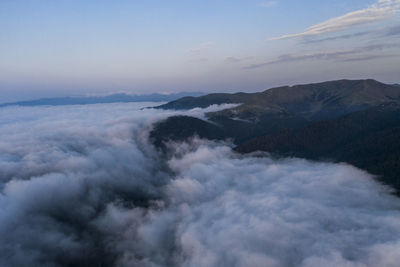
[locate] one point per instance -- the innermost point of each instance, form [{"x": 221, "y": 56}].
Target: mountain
[
  {"x": 368, "y": 139},
  {"x": 354, "y": 121},
  {"x": 179, "y": 128},
  {"x": 311, "y": 101},
  {"x": 115, "y": 98},
  {"x": 290, "y": 106}
]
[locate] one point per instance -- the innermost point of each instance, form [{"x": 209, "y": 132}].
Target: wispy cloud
[
  {"x": 381, "y": 10},
  {"x": 236, "y": 59},
  {"x": 201, "y": 47},
  {"x": 381, "y": 32},
  {"x": 340, "y": 37},
  {"x": 367, "y": 57},
  {"x": 268, "y": 4},
  {"x": 327, "y": 55}
]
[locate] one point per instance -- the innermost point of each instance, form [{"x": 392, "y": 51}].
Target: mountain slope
[
  {"x": 312, "y": 101},
  {"x": 368, "y": 139},
  {"x": 289, "y": 107},
  {"x": 179, "y": 128}
]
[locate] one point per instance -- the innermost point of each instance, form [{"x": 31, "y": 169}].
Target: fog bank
[{"x": 83, "y": 186}]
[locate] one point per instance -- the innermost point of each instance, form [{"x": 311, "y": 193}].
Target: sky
[{"x": 71, "y": 47}]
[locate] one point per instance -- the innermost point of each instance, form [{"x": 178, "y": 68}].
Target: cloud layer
[{"x": 82, "y": 186}]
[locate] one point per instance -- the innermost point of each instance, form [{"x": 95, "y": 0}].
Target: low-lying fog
[{"x": 83, "y": 186}]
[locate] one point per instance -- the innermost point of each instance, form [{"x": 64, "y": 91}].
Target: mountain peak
[{"x": 314, "y": 101}]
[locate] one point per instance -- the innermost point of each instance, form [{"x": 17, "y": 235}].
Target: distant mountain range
[
  {"x": 354, "y": 121},
  {"x": 114, "y": 98}
]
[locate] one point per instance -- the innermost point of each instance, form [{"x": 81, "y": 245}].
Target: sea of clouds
[{"x": 83, "y": 186}]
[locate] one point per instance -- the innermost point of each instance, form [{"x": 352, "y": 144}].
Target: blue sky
[{"x": 73, "y": 47}]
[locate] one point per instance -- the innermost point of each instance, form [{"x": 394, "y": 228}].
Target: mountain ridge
[
  {"x": 113, "y": 98},
  {"x": 308, "y": 99},
  {"x": 289, "y": 106},
  {"x": 320, "y": 121}
]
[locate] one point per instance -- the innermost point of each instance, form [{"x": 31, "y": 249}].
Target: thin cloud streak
[
  {"x": 324, "y": 55},
  {"x": 201, "y": 47},
  {"x": 367, "y": 57},
  {"x": 377, "y": 12},
  {"x": 339, "y": 37},
  {"x": 233, "y": 60},
  {"x": 381, "y": 32}
]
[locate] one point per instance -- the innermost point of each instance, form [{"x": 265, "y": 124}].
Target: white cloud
[
  {"x": 377, "y": 12},
  {"x": 268, "y": 4},
  {"x": 233, "y": 60},
  {"x": 201, "y": 47}
]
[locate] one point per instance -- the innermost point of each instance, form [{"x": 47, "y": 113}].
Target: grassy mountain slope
[
  {"x": 312, "y": 101},
  {"x": 179, "y": 128},
  {"x": 289, "y": 107},
  {"x": 368, "y": 139}
]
